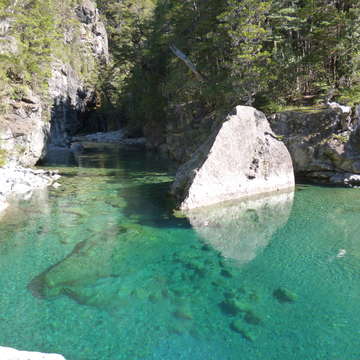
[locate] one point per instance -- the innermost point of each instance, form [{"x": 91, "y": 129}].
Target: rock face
[
  {"x": 324, "y": 144},
  {"x": 13, "y": 354},
  {"x": 30, "y": 120},
  {"x": 241, "y": 158},
  {"x": 71, "y": 96},
  {"x": 23, "y": 131}
]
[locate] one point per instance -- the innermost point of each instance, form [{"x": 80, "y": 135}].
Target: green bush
[{"x": 3, "y": 157}]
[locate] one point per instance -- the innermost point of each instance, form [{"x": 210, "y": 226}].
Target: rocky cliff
[
  {"x": 32, "y": 117},
  {"x": 324, "y": 143}
]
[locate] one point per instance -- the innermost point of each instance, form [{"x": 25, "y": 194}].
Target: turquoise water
[{"x": 100, "y": 269}]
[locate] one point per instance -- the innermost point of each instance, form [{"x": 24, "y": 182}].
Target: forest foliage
[{"x": 267, "y": 53}]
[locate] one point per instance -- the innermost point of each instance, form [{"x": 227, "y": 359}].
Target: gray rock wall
[{"x": 324, "y": 143}]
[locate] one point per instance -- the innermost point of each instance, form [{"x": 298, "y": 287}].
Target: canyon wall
[{"x": 32, "y": 118}]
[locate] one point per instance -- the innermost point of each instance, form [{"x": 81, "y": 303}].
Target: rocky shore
[
  {"x": 7, "y": 353},
  {"x": 118, "y": 137},
  {"x": 17, "y": 181}
]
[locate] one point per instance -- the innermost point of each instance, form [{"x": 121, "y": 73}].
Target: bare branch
[{"x": 187, "y": 62}]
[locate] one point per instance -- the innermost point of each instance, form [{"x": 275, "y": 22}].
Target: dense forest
[
  {"x": 203, "y": 55},
  {"x": 269, "y": 54}
]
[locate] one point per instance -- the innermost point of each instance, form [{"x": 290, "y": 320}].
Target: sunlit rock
[
  {"x": 241, "y": 158},
  {"x": 323, "y": 142},
  {"x": 242, "y": 229},
  {"x": 7, "y": 353}
]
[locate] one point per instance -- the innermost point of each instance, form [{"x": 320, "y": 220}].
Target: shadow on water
[{"x": 145, "y": 180}]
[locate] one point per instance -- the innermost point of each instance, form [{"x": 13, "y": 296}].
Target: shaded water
[{"x": 101, "y": 269}]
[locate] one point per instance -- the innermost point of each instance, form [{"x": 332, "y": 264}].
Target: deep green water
[{"x": 100, "y": 269}]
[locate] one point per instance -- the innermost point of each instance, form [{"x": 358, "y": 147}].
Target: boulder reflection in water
[{"x": 241, "y": 229}]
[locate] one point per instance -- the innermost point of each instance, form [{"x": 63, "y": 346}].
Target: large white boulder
[{"x": 241, "y": 158}]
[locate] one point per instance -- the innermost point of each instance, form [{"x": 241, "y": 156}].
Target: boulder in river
[{"x": 241, "y": 158}]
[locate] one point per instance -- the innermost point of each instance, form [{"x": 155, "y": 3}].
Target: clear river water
[{"x": 102, "y": 269}]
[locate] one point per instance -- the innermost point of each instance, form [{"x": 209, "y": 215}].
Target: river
[{"x": 102, "y": 269}]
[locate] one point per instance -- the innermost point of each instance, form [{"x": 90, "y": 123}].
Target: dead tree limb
[{"x": 187, "y": 62}]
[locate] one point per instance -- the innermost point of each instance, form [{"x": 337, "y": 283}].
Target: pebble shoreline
[
  {"x": 17, "y": 181},
  {"x": 118, "y": 137}
]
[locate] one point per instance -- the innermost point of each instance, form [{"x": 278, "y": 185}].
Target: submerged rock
[
  {"x": 7, "y": 353},
  {"x": 252, "y": 318},
  {"x": 238, "y": 327},
  {"x": 284, "y": 295},
  {"x": 241, "y": 158},
  {"x": 183, "y": 313},
  {"x": 233, "y": 306}
]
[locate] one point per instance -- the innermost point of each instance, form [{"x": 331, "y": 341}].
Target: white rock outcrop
[
  {"x": 7, "y": 353},
  {"x": 241, "y": 158}
]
